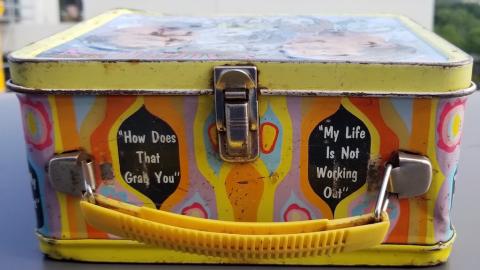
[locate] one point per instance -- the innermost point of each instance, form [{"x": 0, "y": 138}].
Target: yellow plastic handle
[{"x": 262, "y": 240}]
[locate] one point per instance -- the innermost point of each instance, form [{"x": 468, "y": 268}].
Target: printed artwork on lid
[{"x": 289, "y": 38}]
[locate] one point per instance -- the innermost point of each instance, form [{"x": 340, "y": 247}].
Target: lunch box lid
[{"x": 125, "y": 51}]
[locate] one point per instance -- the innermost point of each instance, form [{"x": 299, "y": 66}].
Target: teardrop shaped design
[
  {"x": 149, "y": 155},
  {"x": 338, "y": 156}
]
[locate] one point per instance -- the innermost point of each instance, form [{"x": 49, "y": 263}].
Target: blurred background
[{"x": 25, "y": 21}]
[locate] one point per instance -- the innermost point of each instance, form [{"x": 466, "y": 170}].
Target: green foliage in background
[{"x": 460, "y": 24}]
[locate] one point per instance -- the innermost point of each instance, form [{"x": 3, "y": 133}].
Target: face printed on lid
[
  {"x": 141, "y": 37},
  {"x": 330, "y": 45}
]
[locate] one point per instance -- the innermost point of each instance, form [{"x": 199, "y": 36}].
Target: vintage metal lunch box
[{"x": 316, "y": 140}]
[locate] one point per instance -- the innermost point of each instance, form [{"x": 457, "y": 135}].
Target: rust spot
[
  {"x": 374, "y": 174},
  {"x": 274, "y": 177}
]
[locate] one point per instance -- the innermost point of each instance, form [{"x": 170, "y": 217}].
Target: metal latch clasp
[
  {"x": 406, "y": 175},
  {"x": 72, "y": 173},
  {"x": 236, "y": 108}
]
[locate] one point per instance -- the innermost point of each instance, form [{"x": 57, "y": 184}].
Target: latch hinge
[
  {"x": 236, "y": 107},
  {"x": 72, "y": 172}
]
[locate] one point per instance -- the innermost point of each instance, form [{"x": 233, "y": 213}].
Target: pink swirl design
[
  {"x": 295, "y": 213},
  {"x": 449, "y": 129},
  {"x": 40, "y": 135},
  {"x": 195, "y": 210}
]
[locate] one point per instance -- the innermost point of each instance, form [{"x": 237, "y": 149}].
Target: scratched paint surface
[
  {"x": 321, "y": 157},
  {"x": 300, "y": 38}
]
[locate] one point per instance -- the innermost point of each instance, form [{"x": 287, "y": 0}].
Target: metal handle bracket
[{"x": 406, "y": 175}]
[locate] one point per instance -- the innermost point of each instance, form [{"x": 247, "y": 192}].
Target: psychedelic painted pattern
[
  {"x": 302, "y": 38},
  {"x": 321, "y": 157}
]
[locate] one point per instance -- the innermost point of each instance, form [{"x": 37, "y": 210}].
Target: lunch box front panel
[
  {"x": 162, "y": 152},
  {"x": 343, "y": 132}
]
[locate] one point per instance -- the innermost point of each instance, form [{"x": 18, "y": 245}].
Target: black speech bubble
[
  {"x": 163, "y": 155},
  {"x": 333, "y": 178},
  {"x": 37, "y": 199}
]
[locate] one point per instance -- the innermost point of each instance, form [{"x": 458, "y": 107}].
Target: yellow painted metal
[
  {"x": 127, "y": 251},
  {"x": 31, "y": 51},
  {"x": 30, "y": 71},
  {"x": 197, "y": 75}
]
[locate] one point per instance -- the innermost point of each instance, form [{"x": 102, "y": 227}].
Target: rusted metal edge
[
  {"x": 267, "y": 92},
  {"x": 109, "y": 92},
  {"x": 14, "y": 60},
  {"x": 332, "y": 93}
]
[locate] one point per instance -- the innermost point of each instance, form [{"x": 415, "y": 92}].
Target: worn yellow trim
[
  {"x": 273, "y": 75},
  {"x": 132, "y": 252},
  {"x": 453, "y": 54},
  {"x": 31, "y": 51}
]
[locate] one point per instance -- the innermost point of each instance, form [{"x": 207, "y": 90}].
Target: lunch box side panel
[{"x": 162, "y": 151}]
